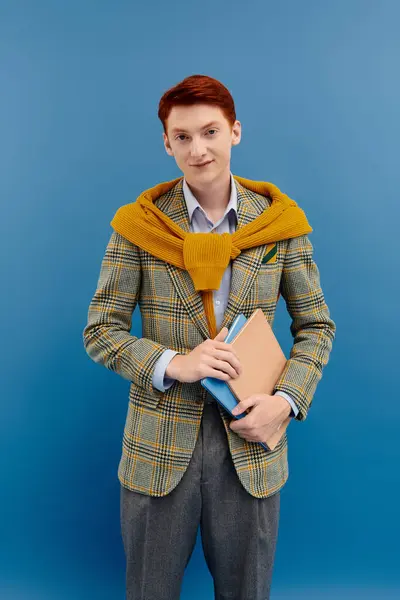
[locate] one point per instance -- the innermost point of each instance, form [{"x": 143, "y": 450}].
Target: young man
[{"x": 185, "y": 462}]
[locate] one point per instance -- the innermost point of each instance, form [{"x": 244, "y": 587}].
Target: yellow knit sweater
[{"x": 204, "y": 255}]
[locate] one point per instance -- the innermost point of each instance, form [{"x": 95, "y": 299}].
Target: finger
[
  {"x": 217, "y": 374},
  {"x": 240, "y": 431},
  {"x": 225, "y": 346},
  {"x": 245, "y": 424},
  {"x": 244, "y": 405},
  {"x": 244, "y": 434},
  {"x": 227, "y": 356},
  {"x": 223, "y": 366},
  {"x": 221, "y": 335}
]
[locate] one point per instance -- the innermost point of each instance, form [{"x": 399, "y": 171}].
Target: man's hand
[
  {"x": 211, "y": 358},
  {"x": 266, "y": 415}
]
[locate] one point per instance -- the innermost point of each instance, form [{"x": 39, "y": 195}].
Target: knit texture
[{"x": 206, "y": 255}]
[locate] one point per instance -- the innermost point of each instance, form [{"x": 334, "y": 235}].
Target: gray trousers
[{"x": 238, "y": 531}]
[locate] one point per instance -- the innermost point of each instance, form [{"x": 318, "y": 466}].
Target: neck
[{"x": 213, "y": 196}]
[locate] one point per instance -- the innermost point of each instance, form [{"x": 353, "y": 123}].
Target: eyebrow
[{"x": 176, "y": 129}]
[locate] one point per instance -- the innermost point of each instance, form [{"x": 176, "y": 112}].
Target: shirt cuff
[
  {"x": 160, "y": 380},
  {"x": 295, "y": 411}
]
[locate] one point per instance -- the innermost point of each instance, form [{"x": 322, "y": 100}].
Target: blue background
[{"x": 317, "y": 94}]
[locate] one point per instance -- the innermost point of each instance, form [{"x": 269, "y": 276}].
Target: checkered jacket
[{"x": 161, "y": 427}]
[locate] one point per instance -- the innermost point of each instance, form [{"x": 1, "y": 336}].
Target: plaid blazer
[{"x": 161, "y": 427}]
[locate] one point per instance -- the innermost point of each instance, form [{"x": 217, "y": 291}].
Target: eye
[{"x": 182, "y": 135}]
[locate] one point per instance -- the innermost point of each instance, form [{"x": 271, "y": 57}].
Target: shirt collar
[{"x": 192, "y": 203}]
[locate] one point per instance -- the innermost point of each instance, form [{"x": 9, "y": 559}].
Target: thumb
[{"x": 221, "y": 335}]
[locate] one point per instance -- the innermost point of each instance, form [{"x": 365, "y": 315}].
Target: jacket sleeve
[
  {"x": 106, "y": 336},
  {"x": 312, "y": 328}
]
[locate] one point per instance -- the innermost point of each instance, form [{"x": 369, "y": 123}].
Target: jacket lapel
[
  {"x": 174, "y": 206},
  {"x": 244, "y": 268}
]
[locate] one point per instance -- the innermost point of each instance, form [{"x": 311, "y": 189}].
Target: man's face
[{"x": 198, "y": 134}]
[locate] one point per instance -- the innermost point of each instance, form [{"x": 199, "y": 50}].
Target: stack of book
[{"x": 262, "y": 361}]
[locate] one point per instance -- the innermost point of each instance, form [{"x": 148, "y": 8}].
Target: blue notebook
[{"x": 219, "y": 389}]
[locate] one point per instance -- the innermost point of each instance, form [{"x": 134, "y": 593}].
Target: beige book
[{"x": 262, "y": 360}]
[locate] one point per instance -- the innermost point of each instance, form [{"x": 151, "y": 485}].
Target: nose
[{"x": 197, "y": 149}]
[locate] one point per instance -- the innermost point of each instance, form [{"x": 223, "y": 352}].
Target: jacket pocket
[{"x": 140, "y": 397}]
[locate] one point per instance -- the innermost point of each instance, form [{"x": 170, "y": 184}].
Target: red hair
[{"x": 197, "y": 89}]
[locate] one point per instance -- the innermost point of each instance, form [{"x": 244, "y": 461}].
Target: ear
[
  {"x": 236, "y": 133},
  {"x": 167, "y": 145}
]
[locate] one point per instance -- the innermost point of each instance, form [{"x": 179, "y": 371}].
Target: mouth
[{"x": 203, "y": 164}]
